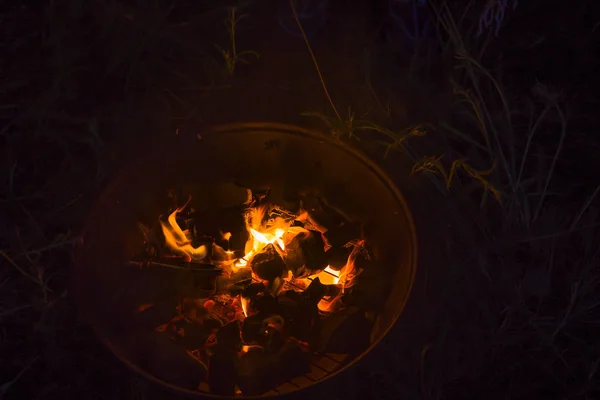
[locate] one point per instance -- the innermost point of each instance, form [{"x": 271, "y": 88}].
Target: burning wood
[{"x": 260, "y": 279}]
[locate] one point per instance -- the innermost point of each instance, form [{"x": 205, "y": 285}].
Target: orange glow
[
  {"x": 244, "y": 302},
  {"x": 345, "y": 279},
  {"x": 275, "y": 231},
  {"x": 329, "y": 276},
  {"x": 176, "y": 240}
]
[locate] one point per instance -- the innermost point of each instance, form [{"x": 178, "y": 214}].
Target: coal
[
  {"x": 253, "y": 290},
  {"x": 268, "y": 264},
  {"x": 322, "y": 214},
  {"x": 216, "y": 222},
  {"x": 228, "y": 337},
  {"x": 167, "y": 361},
  {"x": 346, "y": 331},
  {"x": 300, "y": 314},
  {"x": 337, "y": 257},
  {"x": 223, "y": 375},
  {"x": 189, "y": 334},
  {"x": 338, "y": 236},
  {"x": 265, "y": 304},
  {"x": 259, "y": 372},
  {"x": 315, "y": 291},
  {"x": 236, "y": 283},
  {"x": 305, "y": 254},
  {"x": 255, "y": 375},
  {"x": 253, "y": 330},
  {"x": 153, "y": 315}
]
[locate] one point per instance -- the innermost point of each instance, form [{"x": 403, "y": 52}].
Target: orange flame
[
  {"x": 345, "y": 279},
  {"x": 276, "y": 231},
  {"x": 177, "y": 241}
]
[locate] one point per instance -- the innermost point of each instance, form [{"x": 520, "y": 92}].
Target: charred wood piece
[
  {"x": 305, "y": 254},
  {"x": 268, "y": 264}
]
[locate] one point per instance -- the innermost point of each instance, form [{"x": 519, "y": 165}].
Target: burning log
[
  {"x": 305, "y": 254},
  {"x": 163, "y": 358},
  {"x": 346, "y": 331},
  {"x": 258, "y": 372},
  {"x": 268, "y": 264}
]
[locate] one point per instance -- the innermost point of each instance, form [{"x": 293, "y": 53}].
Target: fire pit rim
[{"x": 298, "y": 131}]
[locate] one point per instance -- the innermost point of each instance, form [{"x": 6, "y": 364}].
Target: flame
[
  {"x": 244, "y": 302},
  {"x": 329, "y": 276},
  {"x": 346, "y": 277},
  {"x": 275, "y": 231},
  {"x": 176, "y": 240}
]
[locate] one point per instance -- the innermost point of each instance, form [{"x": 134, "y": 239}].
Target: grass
[{"x": 508, "y": 305}]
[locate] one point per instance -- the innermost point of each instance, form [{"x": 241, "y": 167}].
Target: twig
[
  {"x": 21, "y": 270},
  {"x": 312, "y": 55},
  {"x": 584, "y": 208}
]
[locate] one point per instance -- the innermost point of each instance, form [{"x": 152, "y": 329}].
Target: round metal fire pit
[{"x": 280, "y": 157}]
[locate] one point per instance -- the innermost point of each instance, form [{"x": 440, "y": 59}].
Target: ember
[{"x": 254, "y": 314}]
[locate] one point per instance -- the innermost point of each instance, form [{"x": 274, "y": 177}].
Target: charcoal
[
  {"x": 222, "y": 376},
  {"x": 315, "y": 291},
  {"x": 216, "y": 222},
  {"x": 338, "y": 236},
  {"x": 253, "y": 290},
  {"x": 268, "y": 264},
  {"x": 255, "y": 374},
  {"x": 153, "y": 315},
  {"x": 228, "y": 336},
  {"x": 188, "y": 334},
  {"x": 301, "y": 316},
  {"x": 164, "y": 359},
  {"x": 291, "y": 362},
  {"x": 305, "y": 254},
  {"x": 322, "y": 214},
  {"x": 337, "y": 257},
  {"x": 371, "y": 288},
  {"x": 265, "y": 303},
  {"x": 274, "y": 340},
  {"x": 235, "y": 283},
  {"x": 253, "y": 330},
  {"x": 346, "y": 331},
  {"x": 259, "y": 372}
]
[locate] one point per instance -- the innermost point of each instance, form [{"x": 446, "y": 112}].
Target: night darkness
[{"x": 483, "y": 113}]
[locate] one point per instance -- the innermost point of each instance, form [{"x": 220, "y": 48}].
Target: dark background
[{"x": 505, "y": 305}]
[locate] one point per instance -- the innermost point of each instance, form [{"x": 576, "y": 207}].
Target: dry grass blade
[{"x": 314, "y": 59}]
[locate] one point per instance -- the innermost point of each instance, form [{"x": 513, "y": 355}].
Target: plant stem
[{"x": 312, "y": 55}]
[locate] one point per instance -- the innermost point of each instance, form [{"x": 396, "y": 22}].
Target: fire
[
  {"x": 345, "y": 278},
  {"x": 276, "y": 231},
  {"x": 177, "y": 241},
  {"x": 329, "y": 276}
]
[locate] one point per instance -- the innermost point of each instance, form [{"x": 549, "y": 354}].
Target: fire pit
[{"x": 258, "y": 259}]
